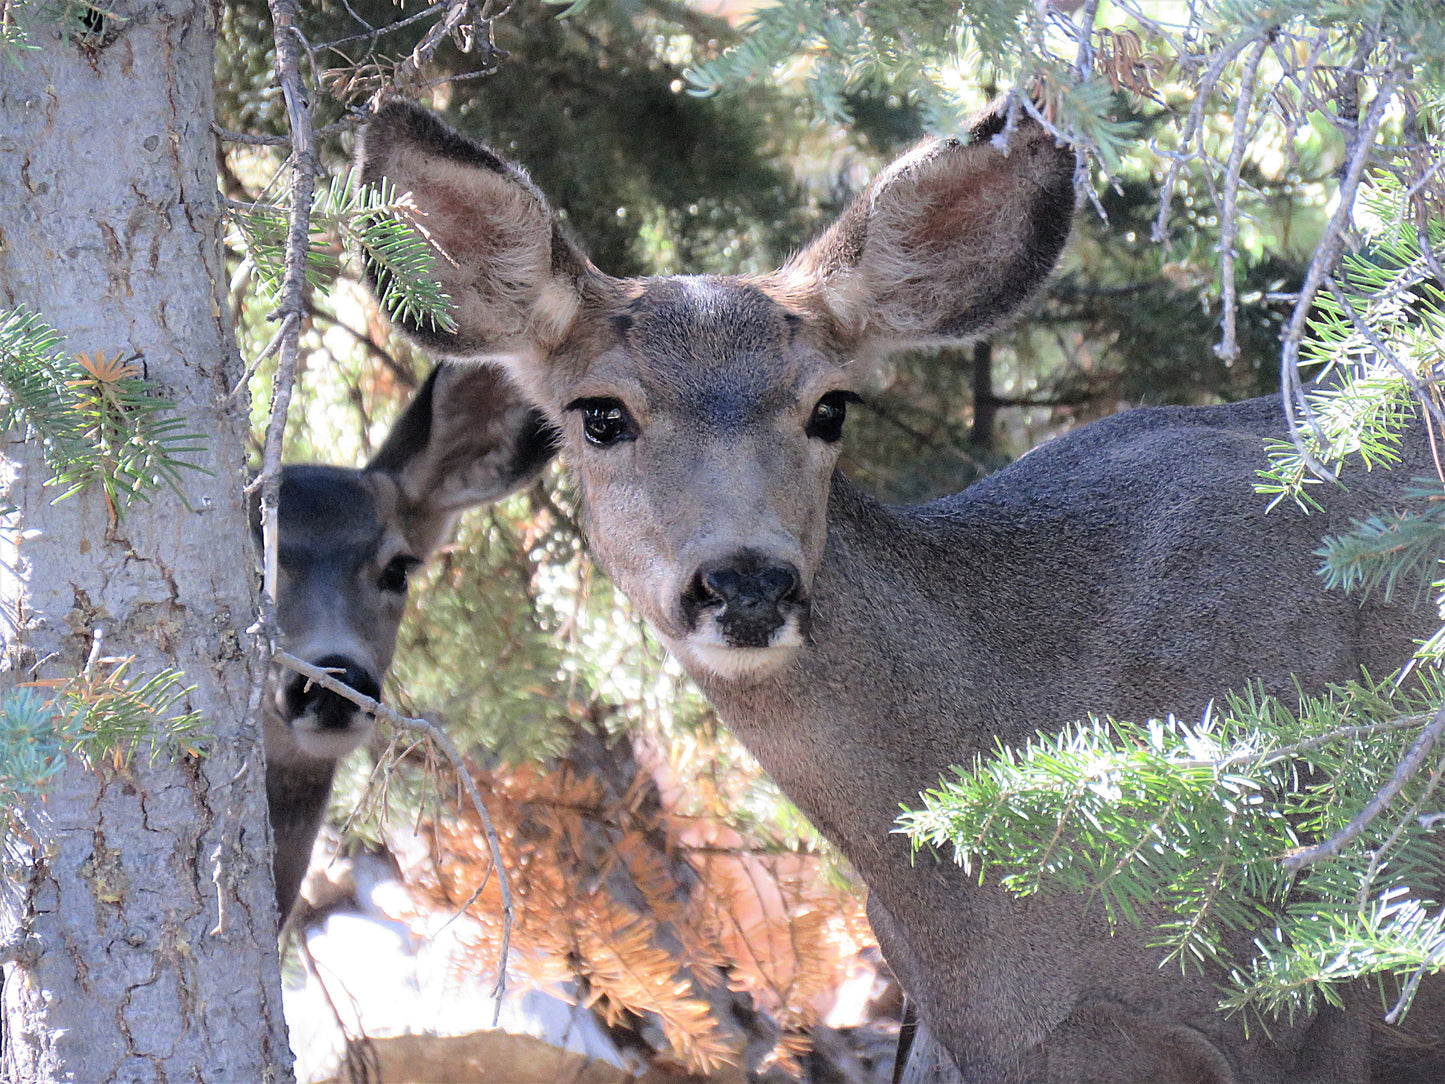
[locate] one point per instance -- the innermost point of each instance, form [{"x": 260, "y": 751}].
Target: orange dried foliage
[
  {"x": 1120, "y": 58},
  {"x": 645, "y": 905}
]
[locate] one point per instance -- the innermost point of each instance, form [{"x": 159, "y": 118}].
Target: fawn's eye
[
  {"x": 605, "y": 421},
  {"x": 826, "y": 422},
  {"x": 393, "y": 577}
]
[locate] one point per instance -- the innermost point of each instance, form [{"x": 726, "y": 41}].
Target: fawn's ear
[
  {"x": 466, "y": 438},
  {"x": 512, "y": 274},
  {"x": 946, "y": 243}
]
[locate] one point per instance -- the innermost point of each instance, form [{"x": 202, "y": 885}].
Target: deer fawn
[
  {"x": 347, "y": 541},
  {"x": 859, "y": 650}
]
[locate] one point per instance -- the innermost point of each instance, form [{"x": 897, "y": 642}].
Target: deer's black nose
[
  {"x": 331, "y": 710},
  {"x": 749, "y": 588},
  {"x": 750, "y": 594}
]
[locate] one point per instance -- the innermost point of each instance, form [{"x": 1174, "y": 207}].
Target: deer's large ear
[
  {"x": 512, "y": 274},
  {"x": 466, "y": 438},
  {"x": 946, "y": 243}
]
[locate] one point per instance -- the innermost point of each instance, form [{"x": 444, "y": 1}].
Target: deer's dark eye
[
  {"x": 827, "y": 421},
  {"x": 605, "y": 421},
  {"x": 393, "y": 576}
]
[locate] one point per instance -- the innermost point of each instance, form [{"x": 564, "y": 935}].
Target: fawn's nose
[
  {"x": 332, "y": 711},
  {"x": 749, "y": 596}
]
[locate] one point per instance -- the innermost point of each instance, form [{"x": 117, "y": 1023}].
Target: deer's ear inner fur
[
  {"x": 512, "y": 274},
  {"x": 945, "y": 244}
]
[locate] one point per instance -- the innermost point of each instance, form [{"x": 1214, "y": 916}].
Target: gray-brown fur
[
  {"x": 1126, "y": 568},
  {"x": 346, "y": 541}
]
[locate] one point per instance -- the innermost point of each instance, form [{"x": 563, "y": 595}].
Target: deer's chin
[
  {"x": 707, "y": 651},
  {"x": 330, "y": 743}
]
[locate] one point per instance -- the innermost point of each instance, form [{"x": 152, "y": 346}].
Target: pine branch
[
  {"x": 96, "y": 421},
  {"x": 1124, "y": 811}
]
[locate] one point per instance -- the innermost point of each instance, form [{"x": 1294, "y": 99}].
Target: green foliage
[
  {"x": 38, "y": 398},
  {"x": 1377, "y": 336},
  {"x": 97, "y": 421},
  {"x": 30, "y": 748},
  {"x": 1383, "y": 549},
  {"x": 1361, "y": 414},
  {"x": 919, "y": 51},
  {"x": 1181, "y": 826},
  {"x": 13, "y": 38},
  {"x": 103, "y": 720},
  {"x": 135, "y": 441},
  {"x": 481, "y": 600},
  {"x": 79, "y": 21},
  {"x": 374, "y": 221},
  {"x": 349, "y": 217},
  {"x": 1394, "y": 934},
  {"x": 115, "y": 717}
]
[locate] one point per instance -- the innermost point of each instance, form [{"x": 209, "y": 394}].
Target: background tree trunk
[{"x": 143, "y": 912}]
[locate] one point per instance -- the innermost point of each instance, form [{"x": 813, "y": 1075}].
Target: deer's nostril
[
  {"x": 743, "y": 587},
  {"x": 746, "y": 584},
  {"x": 720, "y": 584},
  {"x": 779, "y": 584}
]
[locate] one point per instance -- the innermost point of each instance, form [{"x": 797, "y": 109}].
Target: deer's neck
[
  {"x": 298, "y": 788},
  {"x": 904, "y": 675}
]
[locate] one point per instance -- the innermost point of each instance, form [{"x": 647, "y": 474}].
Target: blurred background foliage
[{"x": 524, "y": 650}]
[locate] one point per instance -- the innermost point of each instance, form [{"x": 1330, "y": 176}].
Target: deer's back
[{"x": 1138, "y": 550}]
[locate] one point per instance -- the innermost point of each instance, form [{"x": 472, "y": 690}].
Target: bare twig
[
  {"x": 377, "y": 32},
  {"x": 327, "y": 680},
  {"x": 1083, "y": 68},
  {"x": 248, "y": 139},
  {"x": 1084, "y": 60},
  {"x": 270, "y": 348},
  {"x": 1228, "y": 347},
  {"x": 1202, "y": 94},
  {"x": 285, "y": 18},
  {"x": 404, "y": 376},
  {"x": 459, "y": 13},
  {"x": 361, "y": 1061},
  {"x": 1270, "y": 756},
  {"x": 1404, "y": 772}
]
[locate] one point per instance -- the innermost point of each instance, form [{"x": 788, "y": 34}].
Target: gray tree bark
[{"x": 139, "y": 935}]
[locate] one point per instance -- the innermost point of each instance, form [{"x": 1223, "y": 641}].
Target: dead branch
[
  {"x": 1228, "y": 347},
  {"x": 1404, "y": 772},
  {"x": 1296, "y": 406},
  {"x": 285, "y": 18},
  {"x": 327, "y": 680}
]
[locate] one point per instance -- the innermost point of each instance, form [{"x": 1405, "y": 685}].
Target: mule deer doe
[
  {"x": 859, "y": 650},
  {"x": 347, "y": 541}
]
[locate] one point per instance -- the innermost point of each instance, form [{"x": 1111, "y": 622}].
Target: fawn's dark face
[
  {"x": 348, "y": 540},
  {"x": 343, "y": 563},
  {"x": 701, "y": 416}
]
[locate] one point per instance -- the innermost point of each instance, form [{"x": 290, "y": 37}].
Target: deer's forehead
[
  {"x": 703, "y": 318},
  {"x": 332, "y": 512},
  {"x": 716, "y": 346}
]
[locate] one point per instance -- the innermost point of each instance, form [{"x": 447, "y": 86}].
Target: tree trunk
[
  {"x": 139, "y": 923},
  {"x": 985, "y": 403}
]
